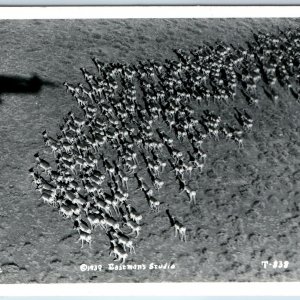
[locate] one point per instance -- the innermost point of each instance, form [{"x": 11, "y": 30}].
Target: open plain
[{"x": 246, "y": 209}]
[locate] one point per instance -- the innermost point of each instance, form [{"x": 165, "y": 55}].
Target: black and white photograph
[{"x": 149, "y": 150}]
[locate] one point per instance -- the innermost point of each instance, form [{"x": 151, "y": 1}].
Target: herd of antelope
[{"x": 139, "y": 122}]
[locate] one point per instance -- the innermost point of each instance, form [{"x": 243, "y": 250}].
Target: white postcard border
[{"x": 151, "y": 289}]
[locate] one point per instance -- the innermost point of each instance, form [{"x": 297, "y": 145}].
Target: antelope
[
  {"x": 180, "y": 229},
  {"x": 77, "y": 121},
  {"x": 43, "y": 163},
  {"x": 101, "y": 204},
  {"x": 110, "y": 169},
  {"x": 133, "y": 215},
  {"x": 36, "y": 179},
  {"x": 124, "y": 240},
  {"x": 119, "y": 252},
  {"x": 75, "y": 208},
  {"x": 79, "y": 200},
  {"x": 142, "y": 186},
  {"x": 66, "y": 211},
  {"x": 96, "y": 220},
  {"x": 48, "y": 198},
  {"x": 191, "y": 194},
  {"x": 158, "y": 184},
  {"x": 124, "y": 178},
  {"x": 111, "y": 222},
  {"x": 115, "y": 205},
  {"x": 135, "y": 228},
  {"x": 239, "y": 141},
  {"x": 154, "y": 204},
  {"x": 69, "y": 195},
  {"x": 81, "y": 225},
  {"x": 87, "y": 76},
  {"x": 69, "y": 88},
  {"x": 98, "y": 64},
  {"x": 81, "y": 101},
  {"x": 84, "y": 237}
]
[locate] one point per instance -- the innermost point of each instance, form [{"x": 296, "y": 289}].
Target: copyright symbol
[{"x": 83, "y": 267}]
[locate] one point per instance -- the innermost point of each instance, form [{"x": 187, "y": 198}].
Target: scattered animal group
[{"x": 141, "y": 121}]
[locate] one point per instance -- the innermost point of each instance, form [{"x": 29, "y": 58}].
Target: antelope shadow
[{"x": 171, "y": 219}]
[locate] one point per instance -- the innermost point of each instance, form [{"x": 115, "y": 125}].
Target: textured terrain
[{"x": 247, "y": 203}]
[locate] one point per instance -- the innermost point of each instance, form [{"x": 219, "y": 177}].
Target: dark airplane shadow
[{"x": 22, "y": 85}]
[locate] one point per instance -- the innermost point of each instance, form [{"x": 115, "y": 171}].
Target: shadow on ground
[{"x": 11, "y": 84}]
